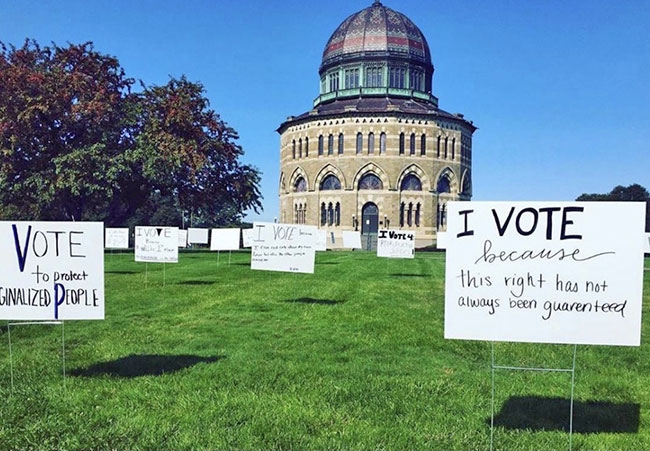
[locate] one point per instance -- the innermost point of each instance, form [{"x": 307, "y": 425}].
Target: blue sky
[{"x": 560, "y": 89}]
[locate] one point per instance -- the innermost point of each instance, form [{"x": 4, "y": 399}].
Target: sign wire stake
[
  {"x": 31, "y": 323},
  {"x": 571, "y": 370}
]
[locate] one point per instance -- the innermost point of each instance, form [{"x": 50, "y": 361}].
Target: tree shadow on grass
[
  {"x": 552, "y": 414},
  {"x": 143, "y": 365},
  {"x": 121, "y": 272},
  {"x": 314, "y": 301}
]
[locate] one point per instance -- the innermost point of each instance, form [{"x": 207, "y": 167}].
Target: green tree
[
  {"x": 188, "y": 153},
  {"x": 633, "y": 193},
  {"x": 62, "y": 135},
  {"x": 76, "y": 143}
]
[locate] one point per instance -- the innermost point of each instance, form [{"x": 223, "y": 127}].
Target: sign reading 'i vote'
[
  {"x": 568, "y": 272},
  {"x": 156, "y": 244},
  {"x": 283, "y": 247},
  {"x": 52, "y": 270}
]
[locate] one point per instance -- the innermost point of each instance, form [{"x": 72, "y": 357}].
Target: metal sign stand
[
  {"x": 571, "y": 370},
  {"x": 30, "y": 323}
]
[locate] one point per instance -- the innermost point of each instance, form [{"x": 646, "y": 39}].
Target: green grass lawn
[{"x": 197, "y": 355}]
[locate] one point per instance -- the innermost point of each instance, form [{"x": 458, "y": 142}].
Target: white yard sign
[
  {"x": 441, "y": 240},
  {"x": 156, "y": 244},
  {"x": 283, "y": 247},
  {"x": 247, "y": 237},
  {"x": 352, "y": 240},
  {"x": 395, "y": 244},
  {"x": 117, "y": 238},
  {"x": 547, "y": 272},
  {"x": 224, "y": 239},
  {"x": 321, "y": 240},
  {"x": 182, "y": 238},
  {"x": 52, "y": 270},
  {"x": 197, "y": 236}
]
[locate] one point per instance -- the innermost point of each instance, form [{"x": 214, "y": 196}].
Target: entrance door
[{"x": 370, "y": 219}]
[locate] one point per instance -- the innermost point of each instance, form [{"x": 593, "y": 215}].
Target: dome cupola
[{"x": 376, "y": 52}]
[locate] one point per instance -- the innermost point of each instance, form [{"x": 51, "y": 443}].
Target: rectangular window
[
  {"x": 334, "y": 81},
  {"x": 415, "y": 80},
  {"x": 351, "y": 78},
  {"x": 396, "y": 76},
  {"x": 374, "y": 77}
]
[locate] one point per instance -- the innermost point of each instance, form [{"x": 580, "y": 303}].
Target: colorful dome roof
[{"x": 376, "y": 31}]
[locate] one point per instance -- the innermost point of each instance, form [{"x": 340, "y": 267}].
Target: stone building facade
[{"x": 375, "y": 151}]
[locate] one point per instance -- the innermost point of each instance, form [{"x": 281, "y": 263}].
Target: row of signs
[
  {"x": 222, "y": 239},
  {"x": 522, "y": 272}
]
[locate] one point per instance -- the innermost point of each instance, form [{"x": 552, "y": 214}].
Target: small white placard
[
  {"x": 352, "y": 240},
  {"x": 197, "y": 236},
  {"x": 283, "y": 247},
  {"x": 182, "y": 238},
  {"x": 321, "y": 240},
  {"x": 156, "y": 244},
  {"x": 117, "y": 238},
  {"x": 395, "y": 244},
  {"x": 545, "y": 272},
  {"x": 224, "y": 239},
  {"x": 52, "y": 270},
  {"x": 247, "y": 237}
]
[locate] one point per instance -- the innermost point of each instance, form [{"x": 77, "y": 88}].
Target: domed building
[{"x": 375, "y": 151}]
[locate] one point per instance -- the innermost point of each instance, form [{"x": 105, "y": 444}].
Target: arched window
[
  {"x": 411, "y": 183},
  {"x": 453, "y": 148},
  {"x": 438, "y": 149},
  {"x": 401, "y": 214},
  {"x": 382, "y": 143},
  {"x": 417, "y": 214},
  {"x": 359, "y": 143},
  {"x": 423, "y": 144},
  {"x": 401, "y": 143},
  {"x": 294, "y": 149},
  {"x": 412, "y": 144},
  {"x": 337, "y": 214},
  {"x": 306, "y": 147},
  {"x": 443, "y": 185},
  {"x": 330, "y": 214},
  {"x": 370, "y": 181},
  {"x": 467, "y": 184},
  {"x": 340, "y": 143},
  {"x": 330, "y": 182},
  {"x": 300, "y": 185},
  {"x": 330, "y": 145},
  {"x": 323, "y": 214},
  {"x": 300, "y": 148},
  {"x": 320, "y": 145},
  {"x": 446, "y": 145},
  {"x": 371, "y": 143}
]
